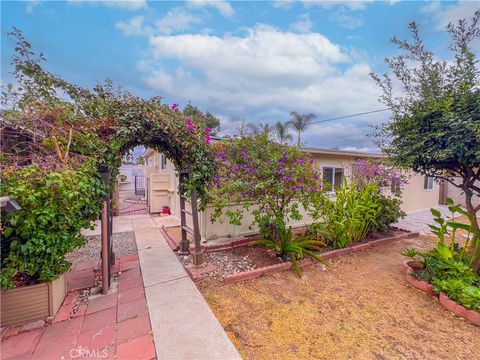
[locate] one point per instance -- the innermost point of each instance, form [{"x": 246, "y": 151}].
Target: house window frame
[
  {"x": 428, "y": 183},
  {"x": 334, "y": 168},
  {"x": 163, "y": 162}
]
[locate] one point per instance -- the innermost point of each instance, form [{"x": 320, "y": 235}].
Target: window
[
  {"x": 428, "y": 183},
  {"x": 163, "y": 162},
  {"x": 333, "y": 176},
  {"x": 396, "y": 185}
]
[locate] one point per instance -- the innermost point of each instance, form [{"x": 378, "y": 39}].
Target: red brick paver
[
  {"x": 114, "y": 326},
  {"x": 141, "y": 348},
  {"x": 21, "y": 346}
]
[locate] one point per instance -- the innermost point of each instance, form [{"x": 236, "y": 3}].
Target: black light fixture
[{"x": 9, "y": 205}]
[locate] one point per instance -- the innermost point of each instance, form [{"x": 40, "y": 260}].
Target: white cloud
[
  {"x": 265, "y": 70},
  {"x": 282, "y": 4},
  {"x": 222, "y": 6},
  {"x": 175, "y": 20},
  {"x": 303, "y": 25},
  {"x": 134, "y": 27},
  {"x": 31, "y": 4},
  {"x": 443, "y": 14},
  {"x": 130, "y": 5},
  {"x": 352, "y": 5},
  {"x": 344, "y": 20}
]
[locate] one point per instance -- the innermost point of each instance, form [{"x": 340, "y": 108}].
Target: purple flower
[
  {"x": 174, "y": 107},
  {"x": 208, "y": 130},
  {"x": 208, "y": 139}
]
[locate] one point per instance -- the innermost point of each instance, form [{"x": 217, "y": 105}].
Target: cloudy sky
[{"x": 256, "y": 61}]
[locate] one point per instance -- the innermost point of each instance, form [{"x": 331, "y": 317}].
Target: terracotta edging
[
  {"x": 251, "y": 274},
  {"x": 418, "y": 284},
  {"x": 459, "y": 310}
]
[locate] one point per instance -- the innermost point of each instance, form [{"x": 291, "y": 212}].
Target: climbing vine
[{"x": 55, "y": 135}]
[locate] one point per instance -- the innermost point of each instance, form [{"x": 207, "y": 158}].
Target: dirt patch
[
  {"x": 175, "y": 233},
  {"x": 361, "y": 308}
]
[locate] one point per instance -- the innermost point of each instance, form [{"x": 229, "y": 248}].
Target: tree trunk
[{"x": 475, "y": 251}]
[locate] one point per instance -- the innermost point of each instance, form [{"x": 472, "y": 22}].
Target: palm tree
[
  {"x": 260, "y": 129},
  {"x": 281, "y": 130},
  {"x": 300, "y": 122}
]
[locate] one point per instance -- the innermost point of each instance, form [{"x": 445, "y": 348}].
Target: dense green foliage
[
  {"x": 448, "y": 266},
  {"x": 391, "y": 211},
  {"x": 55, "y": 207},
  {"x": 271, "y": 181},
  {"x": 349, "y": 216},
  {"x": 208, "y": 119},
  {"x": 435, "y": 125},
  {"x": 58, "y": 134}
]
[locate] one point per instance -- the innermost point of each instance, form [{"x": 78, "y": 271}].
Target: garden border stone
[
  {"x": 459, "y": 310},
  {"x": 418, "y": 284},
  {"x": 470, "y": 315},
  {"x": 255, "y": 273}
]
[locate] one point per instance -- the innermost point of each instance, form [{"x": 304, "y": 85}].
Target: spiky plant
[{"x": 293, "y": 249}]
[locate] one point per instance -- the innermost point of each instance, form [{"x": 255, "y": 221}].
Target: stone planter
[{"x": 29, "y": 303}]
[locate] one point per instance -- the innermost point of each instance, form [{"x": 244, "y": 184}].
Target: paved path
[
  {"x": 417, "y": 221},
  {"x": 184, "y": 327}
]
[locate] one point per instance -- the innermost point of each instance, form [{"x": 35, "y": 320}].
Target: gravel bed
[
  {"x": 123, "y": 245},
  {"x": 232, "y": 261}
]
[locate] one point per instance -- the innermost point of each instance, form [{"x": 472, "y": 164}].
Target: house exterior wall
[
  {"x": 458, "y": 196},
  {"x": 164, "y": 185},
  {"x": 415, "y": 197}
]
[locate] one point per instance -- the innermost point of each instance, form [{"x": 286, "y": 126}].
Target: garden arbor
[
  {"x": 76, "y": 135},
  {"x": 184, "y": 141}
]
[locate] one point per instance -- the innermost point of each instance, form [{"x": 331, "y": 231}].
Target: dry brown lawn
[{"x": 359, "y": 309}]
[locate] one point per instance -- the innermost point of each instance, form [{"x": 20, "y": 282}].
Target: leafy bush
[
  {"x": 292, "y": 249},
  {"x": 55, "y": 207},
  {"x": 275, "y": 180},
  {"x": 448, "y": 267},
  {"x": 350, "y": 216},
  {"x": 391, "y": 212}
]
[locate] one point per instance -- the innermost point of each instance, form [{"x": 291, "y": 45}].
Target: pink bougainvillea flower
[
  {"x": 175, "y": 107},
  {"x": 208, "y": 139},
  {"x": 208, "y": 130}
]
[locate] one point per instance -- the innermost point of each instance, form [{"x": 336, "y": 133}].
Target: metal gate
[{"x": 140, "y": 185}]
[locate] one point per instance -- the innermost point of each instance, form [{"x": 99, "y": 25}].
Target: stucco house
[{"x": 420, "y": 192}]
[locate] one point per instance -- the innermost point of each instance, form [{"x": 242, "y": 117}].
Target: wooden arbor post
[
  {"x": 106, "y": 225},
  {"x": 198, "y": 256}
]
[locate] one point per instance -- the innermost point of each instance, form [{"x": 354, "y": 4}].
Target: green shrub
[
  {"x": 391, "y": 212},
  {"x": 55, "y": 207},
  {"x": 448, "y": 267},
  {"x": 350, "y": 216}
]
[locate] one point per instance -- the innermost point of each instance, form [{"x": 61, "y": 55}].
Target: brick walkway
[{"x": 116, "y": 325}]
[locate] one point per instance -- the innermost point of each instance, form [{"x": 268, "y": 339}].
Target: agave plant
[{"x": 293, "y": 249}]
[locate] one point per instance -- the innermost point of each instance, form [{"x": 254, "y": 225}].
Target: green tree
[
  {"x": 435, "y": 123},
  {"x": 300, "y": 122},
  {"x": 208, "y": 118},
  {"x": 281, "y": 132},
  {"x": 260, "y": 129}
]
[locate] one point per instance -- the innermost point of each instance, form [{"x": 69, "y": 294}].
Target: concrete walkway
[
  {"x": 184, "y": 327},
  {"x": 417, "y": 221}
]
